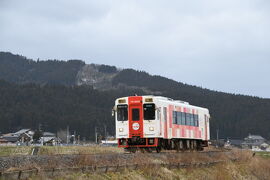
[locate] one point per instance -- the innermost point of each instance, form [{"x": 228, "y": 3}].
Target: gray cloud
[{"x": 222, "y": 45}]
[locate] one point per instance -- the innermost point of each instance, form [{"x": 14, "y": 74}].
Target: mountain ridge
[
  {"x": 234, "y": 115},
  {"x": 105, "y": 69}
]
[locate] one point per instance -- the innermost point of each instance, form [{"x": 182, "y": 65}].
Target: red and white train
[{"x": 155, "y": 122}]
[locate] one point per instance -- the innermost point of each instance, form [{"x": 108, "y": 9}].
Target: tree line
[{"x": 34, "y": 92}]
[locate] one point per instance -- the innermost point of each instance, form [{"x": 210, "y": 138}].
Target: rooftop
[
  {"x": 257, "y": 137},
  {"x": 21, "y": 131}
]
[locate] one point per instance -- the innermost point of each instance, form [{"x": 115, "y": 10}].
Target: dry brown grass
[
  {"x": 242, "y": 155},
  {"x": 247, "y": 167},
  {"x": 14, "y": 150},
  {"x": 52, "y": 150},
  {"x": 260, "y": 168}
]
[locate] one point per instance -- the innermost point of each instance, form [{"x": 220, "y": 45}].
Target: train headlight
[
  {"x": 121, "y": 129},
  {"x": 151, "y": 129}
]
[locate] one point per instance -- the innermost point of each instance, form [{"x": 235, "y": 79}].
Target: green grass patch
[
  {"x": 263, "y": 154},
  {"x": 15, "y": 150},
  {"x": 52, "y": 150}
]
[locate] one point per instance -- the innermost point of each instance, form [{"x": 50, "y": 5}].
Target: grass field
[
  {"x": 52, "y": 150},
  {"x": 248, "y": 166},
  {"x": 253, "y": 168},
  {"x": 263, "y": 154},
  {"x": 14, "y": 150},
  {"x": 219, "y": 172}
]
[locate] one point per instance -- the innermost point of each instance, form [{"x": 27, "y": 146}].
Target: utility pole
[
  {"x": 105, "y": 129},
  {"x": 67, "y": 134},
  {"x": 96, "y": 134},
  {"x": 39, "y": 127},
  {"x": 74, "y": 141},
  {"x": 217, "y": 136}
]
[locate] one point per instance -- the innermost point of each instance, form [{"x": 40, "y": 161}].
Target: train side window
[
  {"x": 179, "y": 118},
  {"x": 192, "y": 123},
  {"x": 188, "y": 119},
  {"x": 149, "y": 111},
  {"x": 183, "y": 118},
  {"x": 174, "y": 117},
  {"x": 122, "y": 112},
  {"x": 196, "y": 120},
  {"x": 135, "y": 114}
]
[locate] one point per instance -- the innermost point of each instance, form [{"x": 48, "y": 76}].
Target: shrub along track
[{"x": 22, "y": 167}]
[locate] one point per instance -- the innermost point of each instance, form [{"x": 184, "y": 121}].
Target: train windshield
[
  {"x": 149, "y": 111},
  {"x": 135, "y": 114},
  {"x": 122, "y": 112}
]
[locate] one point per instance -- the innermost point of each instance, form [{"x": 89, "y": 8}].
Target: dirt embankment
[
  {"x": 80, "y": 160},
  {"x": 246, "y": 166}
]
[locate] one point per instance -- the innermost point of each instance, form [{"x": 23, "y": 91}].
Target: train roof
[{"x": 170, "y": 100}]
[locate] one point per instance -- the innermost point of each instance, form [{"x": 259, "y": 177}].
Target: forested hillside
[
  {"x": 19, "y": 69},
  {"x": 53, "y": 99},
  {"x": 56, "y": 107}
]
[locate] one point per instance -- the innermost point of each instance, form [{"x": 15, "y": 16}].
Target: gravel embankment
[
  {"x": 25, "y": 162},
  {"x": 55, "y": 161}
]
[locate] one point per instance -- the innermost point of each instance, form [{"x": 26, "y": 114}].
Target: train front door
[{"x": 135, "y": 117}]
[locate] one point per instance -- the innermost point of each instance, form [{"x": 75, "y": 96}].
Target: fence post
[
  {"x": 83, "y": 169},
  {"x": 20, "y": 174}
]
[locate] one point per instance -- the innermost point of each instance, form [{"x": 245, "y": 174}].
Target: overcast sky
[{"x": 217, "y": 44}]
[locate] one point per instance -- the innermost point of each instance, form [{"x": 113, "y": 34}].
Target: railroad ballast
[{"x": 156, "y": 123}]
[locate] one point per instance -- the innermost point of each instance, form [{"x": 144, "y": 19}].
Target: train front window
[
  {"x": 135, "y": 114},
  {"x": 122, "y": 112},
  {"x": 149, "y": 111}
]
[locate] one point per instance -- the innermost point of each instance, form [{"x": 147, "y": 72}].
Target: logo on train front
[{"x": 136, "y": 126}]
